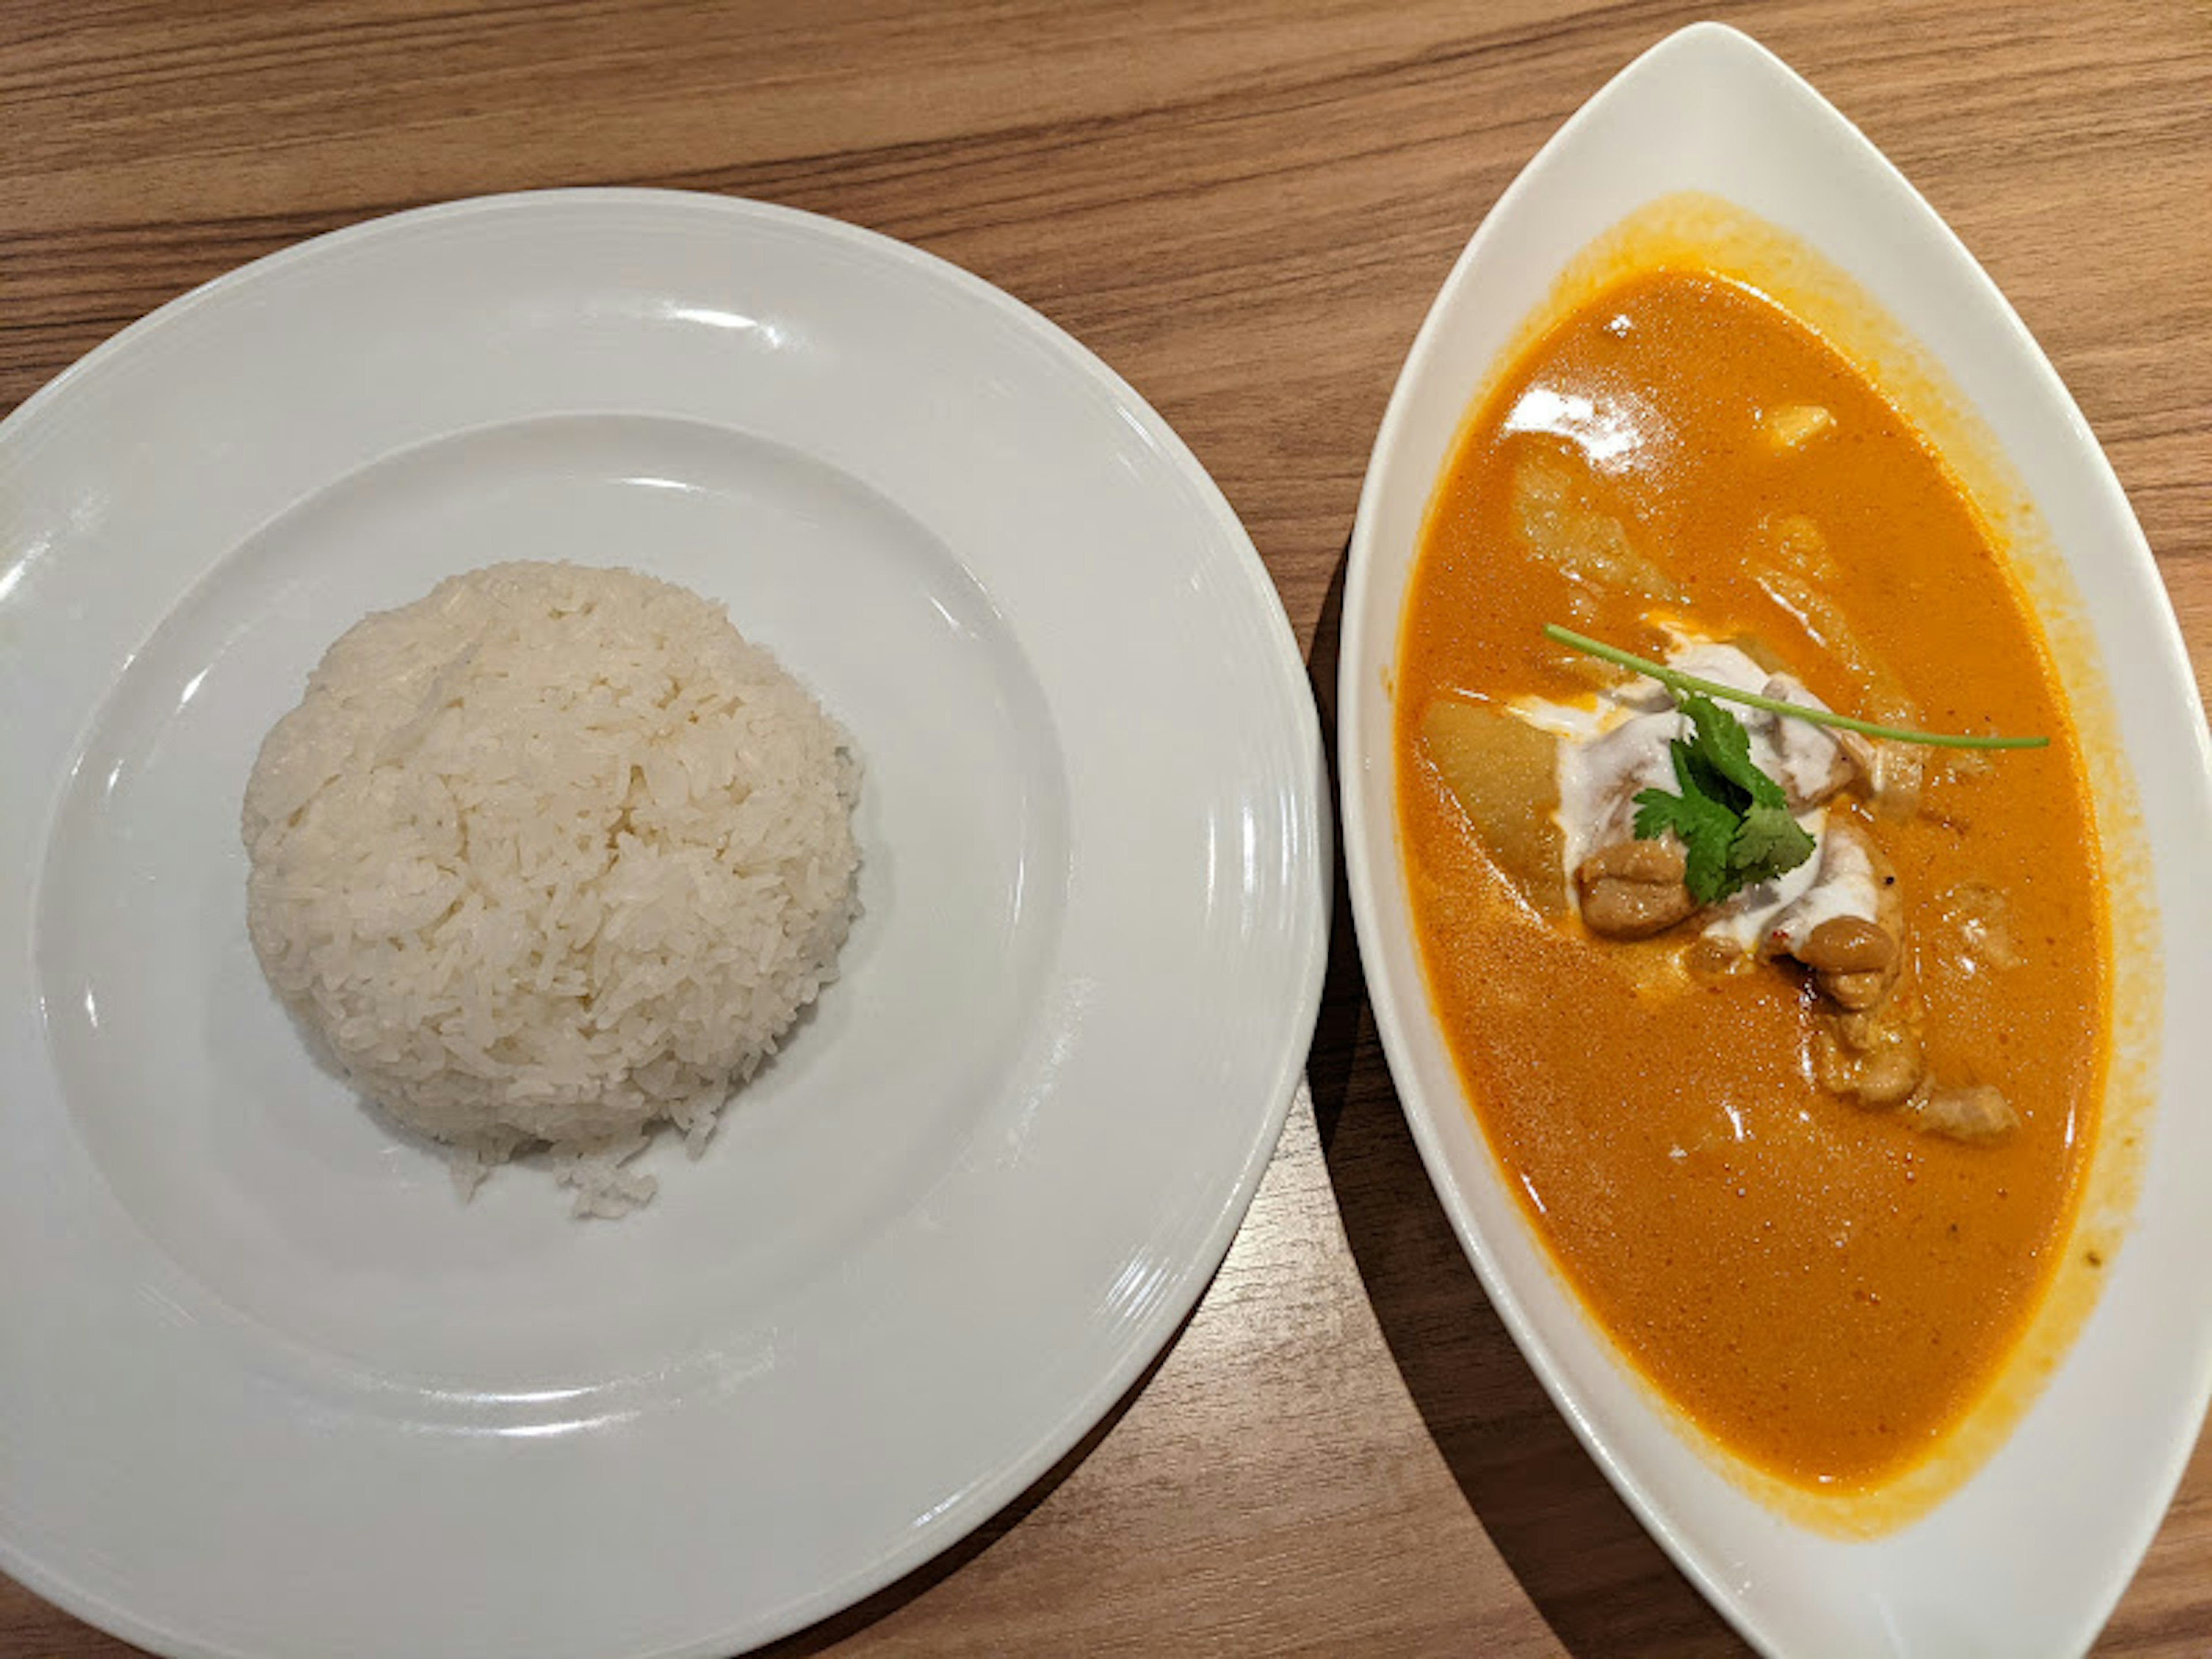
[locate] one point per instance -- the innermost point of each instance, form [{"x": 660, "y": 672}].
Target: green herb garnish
[
  {"x": 1683, "y": 685},
  {"x": 1733, "y": 819}
]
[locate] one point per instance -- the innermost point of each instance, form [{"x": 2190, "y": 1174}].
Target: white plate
[
  {"x": 2028, "y": 1556},
  {"x": 265, "y": 1387}
]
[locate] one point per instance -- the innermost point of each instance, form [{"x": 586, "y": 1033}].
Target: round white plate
[
  {"x": 2029, "y": 1555},
  {"x": 265, "y": 1386}
]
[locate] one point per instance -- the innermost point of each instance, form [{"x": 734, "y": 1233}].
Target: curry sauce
[{"x": 1820, "y": 1285}]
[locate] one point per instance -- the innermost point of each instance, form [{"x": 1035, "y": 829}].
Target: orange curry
[{"x": 1817, "y": 1280}]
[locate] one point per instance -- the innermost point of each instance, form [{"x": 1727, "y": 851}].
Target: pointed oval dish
[{"x": 2024, "y": 1550}]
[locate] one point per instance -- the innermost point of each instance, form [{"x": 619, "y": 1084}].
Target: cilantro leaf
[
  {"x": 1769, "y": 843},
  {"x": 1724, "y": 744},
  {"x": 1732, "y": 819},
  {"x": 1706, "y": 829}
]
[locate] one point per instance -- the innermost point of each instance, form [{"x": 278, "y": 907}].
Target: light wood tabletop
[{"x": 1245, "y": 208}]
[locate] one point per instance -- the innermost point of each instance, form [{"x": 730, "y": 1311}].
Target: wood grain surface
[{"x": 1246, "y": 209}]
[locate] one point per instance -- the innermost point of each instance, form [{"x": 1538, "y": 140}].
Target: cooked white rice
[{"x": 552, "y": 855}]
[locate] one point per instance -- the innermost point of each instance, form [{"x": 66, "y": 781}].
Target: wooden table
[{"x": 1245, "y": 208}]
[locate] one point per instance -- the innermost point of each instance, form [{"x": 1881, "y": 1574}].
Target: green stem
[{"x": 1678, "y": 682}]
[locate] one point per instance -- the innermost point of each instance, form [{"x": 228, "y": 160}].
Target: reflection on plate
[
  {"x": 2029, "y": 1553},
  {"x": 277, "y": 1391}
]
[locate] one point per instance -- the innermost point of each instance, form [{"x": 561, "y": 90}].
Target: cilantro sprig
[
  {"x": 1733, "y": 820},
  {"x": 1681, "y": 683}
]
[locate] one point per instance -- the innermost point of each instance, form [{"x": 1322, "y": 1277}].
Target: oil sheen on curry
[{"x": 1808, "y": 1150}]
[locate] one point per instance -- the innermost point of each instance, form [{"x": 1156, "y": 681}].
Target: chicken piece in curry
[{"x": 1807, "y": 1141}]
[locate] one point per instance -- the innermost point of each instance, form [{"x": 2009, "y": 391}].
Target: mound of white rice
[{"x": 551, "y": 856}]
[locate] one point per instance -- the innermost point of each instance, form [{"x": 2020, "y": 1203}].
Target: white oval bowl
[{"x": 2029, "y": 1554}]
